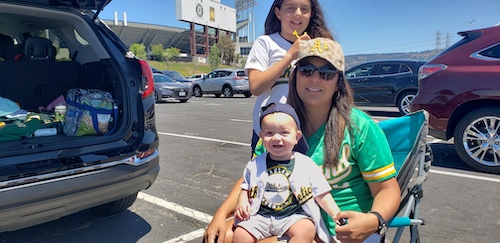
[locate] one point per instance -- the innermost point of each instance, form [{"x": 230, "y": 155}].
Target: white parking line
[
  {"x": 480, "y": 178},
  {"x": 176, "y": 207},
  {"x": 187, "y": 237},
  {"x": 237, "y": 120},
  {"x": 207, "y": 218},
  {"x": 205, "y": 139}
]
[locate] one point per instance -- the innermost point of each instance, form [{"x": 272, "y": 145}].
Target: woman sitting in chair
[{"x": 346, "y": 142}]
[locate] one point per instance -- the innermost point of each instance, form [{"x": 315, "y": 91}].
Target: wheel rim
[
  {"x": 481, "y": 140},
  {"x": 197, "y": 91},
  {"x": 227, "y": 91},
  {"x": 406, "y": 102}
]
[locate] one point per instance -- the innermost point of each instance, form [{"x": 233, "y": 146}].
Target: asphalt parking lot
[{"x": 204, "y": 146}]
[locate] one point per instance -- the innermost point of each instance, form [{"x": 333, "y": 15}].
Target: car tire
[
  {"x": 183, "y": 100},
  {"x": 157, "y": 97},
  {"x": 404, "y": 101},
  {"x": 227, "y": 91},
  {"x": 477, "y": 139},
  {"x": 117, "y": 206},
  {"x": 197, "y": 91},
  {"x": 247, "y": 94}
]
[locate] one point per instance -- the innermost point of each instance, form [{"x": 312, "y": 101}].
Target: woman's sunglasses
[{"x": 325, "y": 72}]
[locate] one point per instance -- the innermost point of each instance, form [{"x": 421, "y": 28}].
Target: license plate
[{"x": 182, "y": 93}]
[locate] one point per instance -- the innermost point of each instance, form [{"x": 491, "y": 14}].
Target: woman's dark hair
[
  {"x": 338, "y": 119},
  {"x": 317, "y": 24}
]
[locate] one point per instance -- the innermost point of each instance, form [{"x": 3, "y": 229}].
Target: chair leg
[{"x": 414, "y": 234}]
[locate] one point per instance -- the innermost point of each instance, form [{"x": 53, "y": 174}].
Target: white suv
[{"x": 223, "y": 81}]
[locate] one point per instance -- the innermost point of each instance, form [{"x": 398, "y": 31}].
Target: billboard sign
[{"x": 207, "y": 12}]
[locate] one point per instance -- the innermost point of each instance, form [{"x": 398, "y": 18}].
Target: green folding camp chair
[{"x": 412, "y": 158}]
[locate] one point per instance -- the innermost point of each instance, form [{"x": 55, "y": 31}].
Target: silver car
[
  {"x": 223, "y": 81},
  {"x": 168, "y": 89}
]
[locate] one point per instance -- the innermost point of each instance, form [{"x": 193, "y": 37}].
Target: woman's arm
[
  {"x": 387, "y": 197},
  {"x": 360, "y": 226},
  {"x": 217, "y": 227}
]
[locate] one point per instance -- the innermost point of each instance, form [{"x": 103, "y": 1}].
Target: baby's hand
[{"x": 242, "y": 211}]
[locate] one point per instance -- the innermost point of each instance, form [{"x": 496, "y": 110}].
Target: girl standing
[{"x": 288, "y": 23}]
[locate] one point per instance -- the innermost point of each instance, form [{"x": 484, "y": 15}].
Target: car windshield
[{"x": 163, "y": 79}]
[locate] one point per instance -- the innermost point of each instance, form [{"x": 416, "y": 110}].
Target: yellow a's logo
[
  {"x": 253, "y": 192},
  {"x": 319, "y": 47}
]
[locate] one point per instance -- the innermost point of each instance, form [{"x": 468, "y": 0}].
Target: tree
[
  {"x": 139, "y": 50},
  {"x": 227, "y": 49},
  {"x": 158, "y": 52},
  {"x": 214, "y": 56},
  {"x": 171, "y": 53}
]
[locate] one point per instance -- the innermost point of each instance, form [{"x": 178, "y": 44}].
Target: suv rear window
[
  {"x": 241, "y": 73},
  {"x": 493, "y": 52}
]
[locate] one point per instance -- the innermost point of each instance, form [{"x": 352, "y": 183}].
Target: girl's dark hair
[
  {"x": 338, "y": 120},
  {"x": 317, "y": 24}
]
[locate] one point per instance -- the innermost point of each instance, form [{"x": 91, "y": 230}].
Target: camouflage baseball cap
[{"x": 325, "y": 48}]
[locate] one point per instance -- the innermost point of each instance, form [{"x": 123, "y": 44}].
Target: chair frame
[{"x": 418, "y": 160}]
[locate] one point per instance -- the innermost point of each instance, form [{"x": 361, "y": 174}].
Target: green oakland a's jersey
[{"x": 365, "y": 156}]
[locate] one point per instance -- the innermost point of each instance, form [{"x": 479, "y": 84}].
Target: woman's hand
[
  {"x": 220, "y": 226},
  {"x": 359, "y": 226},
  {"x": 215, "y": 230}
]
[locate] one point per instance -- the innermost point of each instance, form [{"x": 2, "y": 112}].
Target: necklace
[{"x": 291, "y": 42}]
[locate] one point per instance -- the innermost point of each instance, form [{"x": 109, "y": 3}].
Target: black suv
[
  {"x": 47, "y": 49},
  {"x": 385, "y": 83}
]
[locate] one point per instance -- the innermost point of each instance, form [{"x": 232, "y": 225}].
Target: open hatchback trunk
[{"x": 57, "y": 54}]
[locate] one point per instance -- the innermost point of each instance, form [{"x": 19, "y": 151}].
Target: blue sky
[{"x": 360, "y": 26}]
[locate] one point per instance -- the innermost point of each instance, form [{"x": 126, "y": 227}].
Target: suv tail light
[
  {"x": 428, "y": 70},
  {"x": 238, "y": 78},
  {"x": 148, "y": 82}
]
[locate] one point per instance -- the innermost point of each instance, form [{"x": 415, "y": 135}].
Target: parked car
[
  {"x": 178, "y": 77},
  {"x": 460, "y": 90},
  {"x": 61, "y": 46},
  {"x": 155, "y": 70},
  {"x": 168, "y": 89},
  {"x": 223, "y": 81},
  {"x": 385, "y": 83},
  {"x": 196, "y": 76}
]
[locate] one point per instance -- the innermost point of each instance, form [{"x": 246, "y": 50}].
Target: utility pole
[
  {"x": 447, "y": 40},
  {"x": 438, "y": 42}
]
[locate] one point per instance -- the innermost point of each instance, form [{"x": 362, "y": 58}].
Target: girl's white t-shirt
[{"x": 266, "y": 51}]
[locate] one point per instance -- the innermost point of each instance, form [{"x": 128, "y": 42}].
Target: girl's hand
[
  {"x": 359, "y": 227},
  {"x": 294, "y": 50}
]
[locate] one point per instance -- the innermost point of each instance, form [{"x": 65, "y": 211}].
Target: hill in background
[
  {"x": 189, "y": 68},
  {"x": 353, "y": 60}
]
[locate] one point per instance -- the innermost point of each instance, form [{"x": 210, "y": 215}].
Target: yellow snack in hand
[{"x": 296, "y": 34}]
